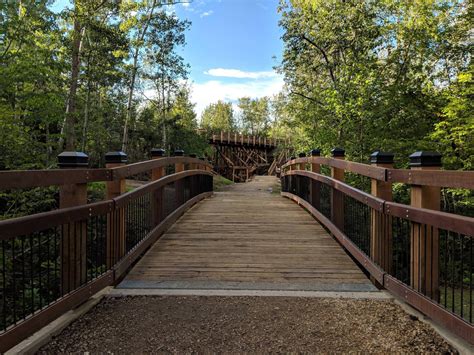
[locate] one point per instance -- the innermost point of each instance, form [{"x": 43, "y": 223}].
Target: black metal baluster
[
  {"x": 446, "y": 278},
  {"x": 4, "y": 290},
  {"x": 32, "y": 276},
  {"x": 40, "y": 276},
  {"x": 453, "y": 285},
  {"x": 23, "y": 255},
  {"x": 461, "y": 274}
]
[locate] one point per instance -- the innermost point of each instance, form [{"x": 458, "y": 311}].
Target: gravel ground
[{"x": 246, "y": 324}]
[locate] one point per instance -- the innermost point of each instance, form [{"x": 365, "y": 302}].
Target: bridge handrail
[
  {"x": 71, "y": 253},
  {"x": 377, "y": 233},
  {"x": 448, "y": 221},
  {"x": 21, "y": 179},
  {"x": 439, "y": 178}
]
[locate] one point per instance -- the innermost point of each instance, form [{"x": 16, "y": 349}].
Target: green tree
[
  {"x": 218, "y": 117},
  {"x": 255, "y": 115},
  {"x": 31, "y": 92},
  {"x": 455, "y": 131},
  {"x": 359, "y": 73}
]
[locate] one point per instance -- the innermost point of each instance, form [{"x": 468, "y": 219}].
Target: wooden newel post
[
  {"x": 73, "y": 246},
  {"x": 381, "y": 226},
  {"x": 156, "y": 174},
  {"x": 291, "y": 167},
  {"x": 299, "y": 179},
  {"x": 115, "y": 221},
  {"x": 292, "y": 178},
  {"x": 179, "y": 184},
  {"x": 192, "y": 179},
  {"x": 203, "y": 167},
  {"x": 337, "y": 198},
  {"x": 424, "y": 246},
  {"x": 193, "y": 166},
  {"x": 302, "y": 166},
  {"x": 315, "y": 186}
]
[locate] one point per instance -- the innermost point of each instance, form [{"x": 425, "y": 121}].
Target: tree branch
[{"x": 325, "y": 56}]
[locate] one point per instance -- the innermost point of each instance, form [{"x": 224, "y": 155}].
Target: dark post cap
[
  {"x": 301, "y": 155},
  {"x": 422, "y": 158},
  {"x": 292, "y": 158},
  {"x": 379, "y": 157},
  {"x": 115, "y": 157},
  {"x": 179, "y": 153},
  {"x": 202, "y": 158},
  {"x": 192, "y": 155},
  {"x": 73, "y": 160},
  {"x": 315, "y": 152},
  {"x": 157, "y": 152},
  {"x": 338, "y": 152}
]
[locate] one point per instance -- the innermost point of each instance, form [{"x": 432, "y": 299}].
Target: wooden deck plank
[{"x": 247, "y": 236}]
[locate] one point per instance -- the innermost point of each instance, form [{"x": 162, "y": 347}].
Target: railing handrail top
[
  {"x": 439, "y": 178},
  {"x": 18, "y": 179},
  {"x": 444, "y": 220},
  {"x": 12, "y": 227}
]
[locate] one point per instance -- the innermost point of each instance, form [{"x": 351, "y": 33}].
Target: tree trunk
[
  {"x": 68, "y": 130},
  {"x": 86, "y": 117},
  {"x": 131, "y": 88}
]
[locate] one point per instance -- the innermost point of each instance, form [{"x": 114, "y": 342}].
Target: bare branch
[{"x": 325, "y": 56}]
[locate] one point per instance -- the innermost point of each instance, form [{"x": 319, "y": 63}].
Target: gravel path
[{"x": 246, "y": 324}]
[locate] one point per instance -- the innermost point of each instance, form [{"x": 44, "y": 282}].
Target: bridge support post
[
  {"x": 192, "y": 179},
  {"x": 73, "y": 246},
  {"x": 292, "y": 178},
  {"x": 156, "y": 174},
  {"x": 337, "y": 198},
  {"x": 381, "y": 226},
  {"x": 424, "y": 243},
  {"x": 301, "y": 187},
  {"x": 179, "y": 185},
  {"x": 116, "y": 221},
  {"x": 315, "y": 185}
]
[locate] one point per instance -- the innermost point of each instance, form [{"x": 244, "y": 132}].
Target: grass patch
[
  {"x": 276, "y": 189},
  {"x": 221, "y": 182},
  {"x": 447, "y": 300}
]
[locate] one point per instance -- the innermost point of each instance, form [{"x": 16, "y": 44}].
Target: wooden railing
[
  {"x": 248, "y": 140},
  {"x": 416, "y": 252},
  {"x": 51, "y": 262}
]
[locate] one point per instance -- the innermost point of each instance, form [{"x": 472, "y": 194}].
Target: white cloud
[
  {"x": 185, "y": 4},
  {"x": 206, "y": 13},
  {"x": 211, "y": 91},
  {"x": 236, "y": 73}
]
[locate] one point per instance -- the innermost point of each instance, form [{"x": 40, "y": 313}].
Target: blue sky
[{"x": 230, "y": 46}]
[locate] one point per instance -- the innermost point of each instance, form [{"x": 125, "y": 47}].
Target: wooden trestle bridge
[
  {"x": 238, "y": 157},
  {"x": 317, "y": 234}
]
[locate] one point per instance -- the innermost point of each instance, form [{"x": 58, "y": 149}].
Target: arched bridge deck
[{"x": 241, "y": 239}]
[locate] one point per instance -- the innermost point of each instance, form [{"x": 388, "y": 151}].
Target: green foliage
[
  {"x": 369, "y": 75},
  {"x": 455, "y": 130},
  {"x": 255, "y": 115},
  {"x": 220, "y": 182},
  {"x": 218, "y": 117},
  {"x": 17, "y": 203}
]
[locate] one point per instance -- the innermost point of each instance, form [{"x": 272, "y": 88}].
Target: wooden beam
[
  {"x": 424, "y": 244},
  {"x": 381, "y": 225},
  {"x": 337, "y": 200}
]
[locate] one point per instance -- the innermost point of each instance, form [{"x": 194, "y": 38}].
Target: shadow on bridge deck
[{"x": 247, "y": 238}]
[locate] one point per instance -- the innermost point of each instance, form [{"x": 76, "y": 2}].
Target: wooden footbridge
[
  {"x": 316, "y": 234},
  {"x": 238, "y": 157}
]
